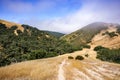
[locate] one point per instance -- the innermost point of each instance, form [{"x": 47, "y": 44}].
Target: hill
[
  {"x": 109, "y": 38},
  {"x": 27, "y": 43},
  {"x": 56, "y": 34},
  {"x": 86, "y": 34},
  {"x": 103, "y": 36},
  {"x": 62, "y": 68},
  {"x": 10, "y": 24},
  {"x": 95, "y": 42}
]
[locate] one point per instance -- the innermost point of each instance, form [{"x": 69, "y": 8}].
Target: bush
[
  {"x": 86, "y": 55},
  {"x": 105, "y": 54},
  {"x": 79, "y": 57},
  {"x": 70, "y": 57},
  {"x": 86, "y": 46},
  {"x": 97, "y": 48},
  {"x": 111, "y": 34}
]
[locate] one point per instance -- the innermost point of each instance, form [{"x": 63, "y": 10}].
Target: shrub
[
  {"x": 86, "y": 46},
  {"x": 79, "y": 57},
  {"x": 111, "y": 34},
  {"x": 97, "y": 48},
  {"x": 86, "y": 55},
  {"x": 106, "y": 54},
  {"x": 70, "y": 57},
  {"x": 109, "y": 55}
]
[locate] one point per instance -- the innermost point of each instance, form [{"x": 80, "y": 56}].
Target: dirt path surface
[
  {"x": 61, "y": 71},
  {"x": 90, "y": 68}
]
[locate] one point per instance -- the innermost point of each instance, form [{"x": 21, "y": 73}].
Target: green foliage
[
  {"x": 97, "y": 48},
  {"x": 29, "y": 45},
  {"x": 86, "y": 46},
  {"x": 79, "y": 57},
  {"x": 111, "y": 34},
  {"x": 70, "y": 57},
  {"x": 13, "y": 28},
  {"x": 106, "y": 54},
  {"x": 85, "y": 34}
]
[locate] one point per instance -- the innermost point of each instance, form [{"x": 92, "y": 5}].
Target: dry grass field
[{"x": 62, "y": 68}]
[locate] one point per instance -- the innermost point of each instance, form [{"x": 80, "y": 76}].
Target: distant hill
[
  {"x": 56, "y": 34},
  {"x": 85, "y": 34}
]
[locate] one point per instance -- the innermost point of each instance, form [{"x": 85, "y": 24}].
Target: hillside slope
[
  {"x": 62, "y": 68},
  {"x": 109, "y": 38},
  {"x": 36, "y": 44},
  {"x": 87, "y": 33},
  {"x": 23, "y": 42}
]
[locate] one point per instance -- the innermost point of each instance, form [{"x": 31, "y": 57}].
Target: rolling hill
[
  {"x": 23, "y": 42},
  {"x": 86, "y": 34},
  {"x": 103, "y": 36},
  {"x": 62, "y": 68},
  {"x": 90, "y": 53}
]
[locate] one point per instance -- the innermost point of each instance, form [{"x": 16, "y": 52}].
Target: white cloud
[{"x": 94, "y": 11}]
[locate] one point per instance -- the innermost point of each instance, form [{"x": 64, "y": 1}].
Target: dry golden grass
[
  {"x": 10, "y": 24},
  {"x": 105, "y": 40},
  {"x": 43, "y": 69},
  {"x": 47, "y": 69}
]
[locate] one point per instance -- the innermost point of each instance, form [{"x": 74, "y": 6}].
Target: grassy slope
[
  {"x": 106, "y": 40},
  {"x": 47, "y": 69},
  {"x": 85, "y": 34},
  {"x": 28, "y": 45}
]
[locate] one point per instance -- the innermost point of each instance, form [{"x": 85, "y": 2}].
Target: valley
[
  {"x": 60, "y": 40},
  {"x": 90, "y": 53}
]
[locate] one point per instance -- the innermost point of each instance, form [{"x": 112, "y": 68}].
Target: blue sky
[
  {"x": 42, "y": 9},
  {"x": 60, "y": 15}
]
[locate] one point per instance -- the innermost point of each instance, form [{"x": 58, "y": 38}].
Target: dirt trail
[
  {"x": 61, "y": 71},
  {"x": 88, "y": 69},
  {"x": 62, "y": 68}
]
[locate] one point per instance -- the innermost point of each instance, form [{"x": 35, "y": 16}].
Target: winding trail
[
  {"x": 88, "y": 69},
  {"x": 61, "y": 71},
  {"x": 62, "y": 68}
]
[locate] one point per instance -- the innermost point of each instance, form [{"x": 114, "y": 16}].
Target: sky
[{"x": 63, "y": 16}]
